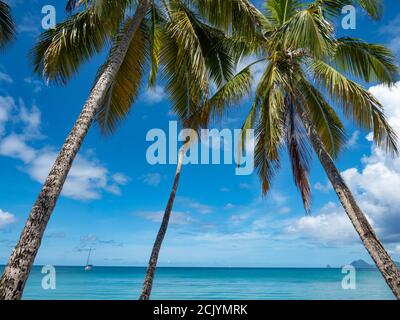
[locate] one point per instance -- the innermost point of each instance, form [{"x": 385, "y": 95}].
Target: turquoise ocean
[{"x": 207, "y": 283}]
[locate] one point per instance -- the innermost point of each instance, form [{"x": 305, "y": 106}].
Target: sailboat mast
[{"x": 87, "y": 262}]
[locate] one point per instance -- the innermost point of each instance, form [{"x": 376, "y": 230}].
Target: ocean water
[{"x": 207, "y": 283}]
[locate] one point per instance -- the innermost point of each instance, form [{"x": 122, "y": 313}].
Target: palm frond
[
  {"x": 358, "y": 104},
  {"x": 370, "y": 62},
  {"x": 155, "y": 31},
  {"x": 215, "y": 47},
  {"x": 270, "y": 106},
  {"x": 124, "y": 90},
  {"x": 280, "y": 11},
  {"x": 309, "y": 30},
  {"x": 231, "y": 93},
  {"x": 59, "y": 52},
  {"x": 181, "y": 77},
  {"x": 299, "y": 152},
  {"x": 181, "y": 28},
  {"x": 7, "y": 25},
  {"x": 324, "y": 118},
  {"x": 240, "y": 17},
  {"x": 333, "y": 8},
  {"x": 374, "y": 8}
]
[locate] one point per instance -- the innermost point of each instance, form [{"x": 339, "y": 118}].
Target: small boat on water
[{"x": 88, "y": 266}]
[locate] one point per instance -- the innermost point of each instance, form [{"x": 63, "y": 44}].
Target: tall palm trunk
[
  {"x": 371, "y": 242},
  {"x": 151, "y": 269},
  {"x": 20, "y": 262}
]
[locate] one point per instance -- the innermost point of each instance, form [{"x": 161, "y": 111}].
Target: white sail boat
[{"x": 88, "y": 266}]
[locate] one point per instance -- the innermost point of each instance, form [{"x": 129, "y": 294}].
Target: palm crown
[
  {"x": 307, "y": 72},
  {"x": 183, "y": 37}
]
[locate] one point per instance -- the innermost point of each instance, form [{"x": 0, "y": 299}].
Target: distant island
[{"x": 361, "y": 264}]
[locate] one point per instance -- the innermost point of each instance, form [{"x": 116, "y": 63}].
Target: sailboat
[{"x": 88, "y": 266}]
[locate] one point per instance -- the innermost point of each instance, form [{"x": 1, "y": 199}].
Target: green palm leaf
[
  {"x": 325, "y": 119},
  {"x": 309, "y": 30},
  {"x": 7, "y": 26},
  {"x": 370, "y": 62},
  {"x": 299, "y": 152},
  {"x": 59, "y": 52},
  {"x": 358, "y": 104},
  {"x": 155, "y": 32},
  {"x": 237, "y": 16},
  {"x": 124, "y": 90}
]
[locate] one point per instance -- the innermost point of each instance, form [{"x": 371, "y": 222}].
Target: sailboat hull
[{"x": 89, "y": 268}]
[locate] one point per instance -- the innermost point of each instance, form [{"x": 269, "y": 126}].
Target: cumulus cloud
[
  {"x": 87, "y": 178},
  {"x": 155, "y": 95},
  {"x": 375, "y": 184},
  {"x": 6, "y": 218},
  {"x": 329, "y": 225}
]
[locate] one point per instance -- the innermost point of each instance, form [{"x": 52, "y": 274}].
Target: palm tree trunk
[
  {"x": 371, "y": 242},
  {"x": 151, "y": 269},
  {"x": 13, "y": 281}
]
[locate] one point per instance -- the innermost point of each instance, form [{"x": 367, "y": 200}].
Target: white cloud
[
  {"x": 87, "y": 178},
  {"x": 330, "y": 225},
  {"x": 120, "y": 178},
  {"x": 6, "y": 218},
  {"x": 284, "y": 210},
  {"x": 177, "y": 217},
  {"x": 4, "y": 77},
  {"x": 326, "y": 187},
  {"x": 155, "y": 95},
  {"x": 37, "y": 85},
  {"x": 7, "y": 104},
  {"x": 229, "y": 237},
  {"x": 238, "y": 218},
  {"x": 375, "y": 185},
  {"x": 151, "y": 179},
  {"x": 229, "y": 206},
  {"x": 392, "y": 31},
  {"x": 14, "y": 146},
  {"x": 197, "y": 206},
  {"x": 244, "y": 185},
  {"x": 353, "y": 139}
]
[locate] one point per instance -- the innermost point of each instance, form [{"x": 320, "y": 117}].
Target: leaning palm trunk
[
  {"x": 19, "y": 265},
  {"x": 371, "y": 242},
  {"x": 151, "y": 269}
]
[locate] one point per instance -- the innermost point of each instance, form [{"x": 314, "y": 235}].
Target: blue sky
[{"x": 113, "y": 198}]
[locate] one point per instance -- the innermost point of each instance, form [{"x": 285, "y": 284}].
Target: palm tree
[
  {"x": 61, "y": 51},
  {"x": 199, "y": 118},
  {"x": 178, "y": 53},
  {"x": 7, "y": 25},
  {"x": 305, "y": 79},
  {"x": 58, "y": 54}
]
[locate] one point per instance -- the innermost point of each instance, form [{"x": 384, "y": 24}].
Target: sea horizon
[{"x": 201, "y": 283}]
